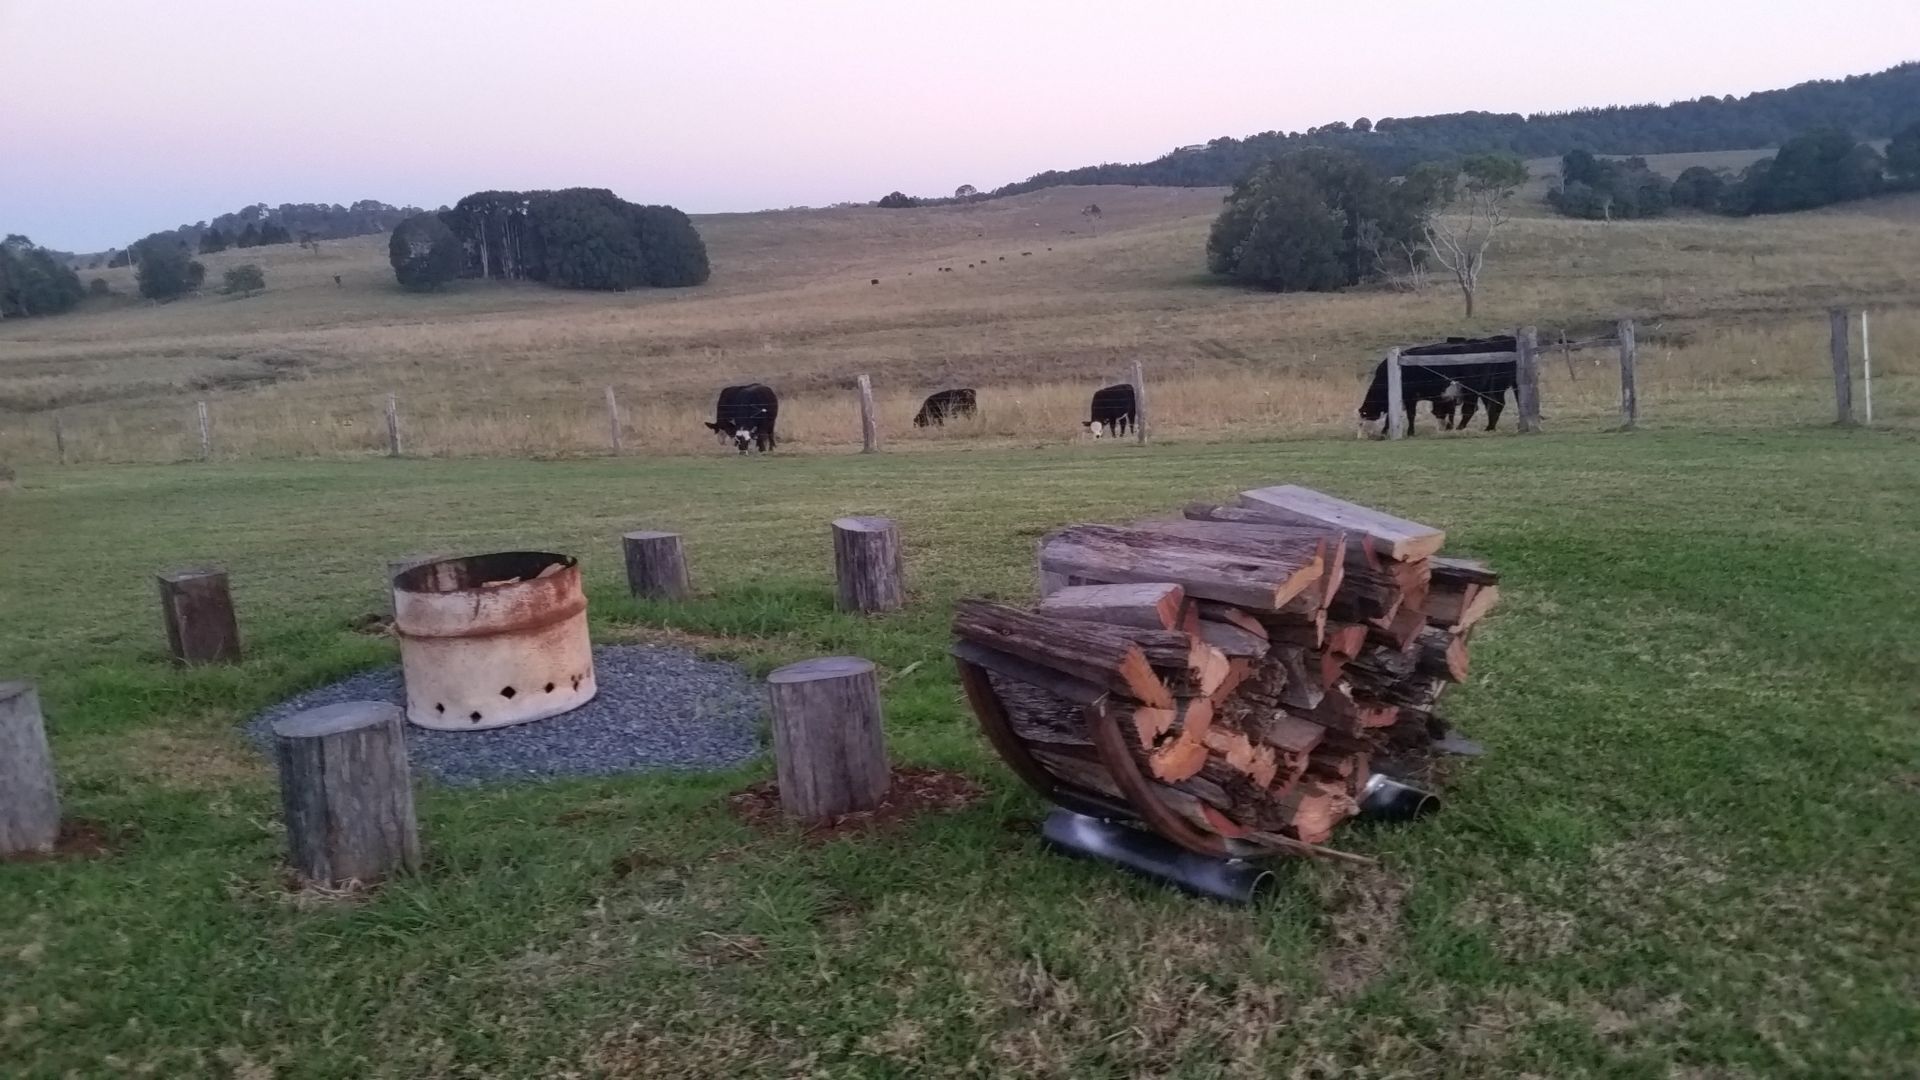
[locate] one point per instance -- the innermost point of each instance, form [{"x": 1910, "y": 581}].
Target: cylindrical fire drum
[{"x": 492, "y": 640}]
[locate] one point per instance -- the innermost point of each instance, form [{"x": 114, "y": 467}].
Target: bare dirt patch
[
  {"x": 1362, "y": 910},
  {"x": 80, "y": 838},
  {"x": 914, "y": 791}
]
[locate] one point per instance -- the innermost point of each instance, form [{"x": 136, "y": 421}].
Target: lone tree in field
[
  {"x": 1320, "y": 220},
  {"x": 245, "y": 279},
  {"x": 965, "y": 191},
  {"x": 424, "y": 252},
  {"x": 164, "y": 270},
  {"x": 1092, "y": 214},
  {"x": 1459, "y": 239}
]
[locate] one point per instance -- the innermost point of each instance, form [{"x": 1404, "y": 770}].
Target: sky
[{"x": 122, "y": 117}]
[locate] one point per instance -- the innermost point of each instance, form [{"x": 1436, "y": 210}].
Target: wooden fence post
[
  {"x": 346, "y": 792},
  {"x": 206, "y": 431},
  {"x": 59, "y": 439},
  {"x": 867, "y": 565},
  {"x": 1629, "y": 394},
  {"x": 869, "y": 424},
  {"x": 393, "y": 426},
  {"x": 198, "y": 609},
  {"x": 396, "y": 567},
  {"x": 1396, "y": 412},
  {"x": 1527, "y": 373},
  {"x": 1842, "y": 366},
  {"x": 29, "y": 799},
  {"x": 1139, "y": 379},
  {"x": 829, "y": 742},
  {"x": 656, "y": 565},
  {"x": 613, "y": 421}
]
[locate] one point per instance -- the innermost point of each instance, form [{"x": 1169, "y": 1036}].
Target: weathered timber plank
[
  {"x": 1396, "y": 537},
  {"x": 1091, "y": 652},
  {"x": 1148, "y": 605}
]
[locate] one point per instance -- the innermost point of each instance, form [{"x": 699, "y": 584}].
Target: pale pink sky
[{"x": 125, "y": 117}]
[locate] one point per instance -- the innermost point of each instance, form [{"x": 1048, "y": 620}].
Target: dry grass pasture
[{"x": 1035, "y": 311}]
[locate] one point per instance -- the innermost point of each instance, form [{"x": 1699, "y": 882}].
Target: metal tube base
[{"x": 1232, "y": 881}]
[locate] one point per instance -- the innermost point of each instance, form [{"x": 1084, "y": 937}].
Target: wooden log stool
[
  {"x": 29, "y": 801},
  {"x": 346, "y": 792},
  {"x": 867, "y": 565},
  {"x": 656, "y": 565},
  {"x": 829, "y": 745},
  {"x": 198, "y": 610}
]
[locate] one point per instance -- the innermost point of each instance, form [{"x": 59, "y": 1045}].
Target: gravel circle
[{"x": 657, "y": 708}]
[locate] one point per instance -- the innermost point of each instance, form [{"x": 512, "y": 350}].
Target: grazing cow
[
  {"x": 938, "y": 408},
  {"x": 1112, "y": 411},
  {"x": 1450, "y": 388},
  {"x": 746, "y": 414}
]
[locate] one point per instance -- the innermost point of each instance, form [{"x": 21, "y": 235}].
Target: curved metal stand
[{"x": 1232, "y": 881}]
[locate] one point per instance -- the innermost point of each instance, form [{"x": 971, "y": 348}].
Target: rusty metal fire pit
[{"x": 492, "y": 640}]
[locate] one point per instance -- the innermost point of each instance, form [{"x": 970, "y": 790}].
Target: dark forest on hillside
[{"x": 1868, "y": 106}]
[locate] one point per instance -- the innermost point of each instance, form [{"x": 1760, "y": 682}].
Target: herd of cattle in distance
[{"x": 746, "y": 414}]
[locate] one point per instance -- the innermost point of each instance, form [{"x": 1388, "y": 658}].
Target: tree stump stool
[
  {"x": 656, "y": 565},
  {"x": 29, "y": 801},
  {"x": 867, "y": 565},
  {"x": 198, "y": 610},
  {"x": 829, "y": 745},
  {"x": 346, "y": 792}
]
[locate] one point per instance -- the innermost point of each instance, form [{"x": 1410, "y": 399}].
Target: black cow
[
  {"x": 746, "y": 415},
  {"x": 1112, "y": 411},
  {"x": 1449, "y": 387},
  {"x": 945, "y": 405}
]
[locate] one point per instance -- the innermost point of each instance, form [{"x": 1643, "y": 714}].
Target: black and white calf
[
  {"x": 1112, "y": 411},
  {"x": 1453, "y": 389},
  {"x": 746, "y": 415},
  {"x": 946, "y": 405}
]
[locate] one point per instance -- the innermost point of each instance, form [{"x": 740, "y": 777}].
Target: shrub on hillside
[
  {"x": 424, "y": 252},
  {"x": 897, "y": 200},
  {"x": 99, "y": 287},
  {"x": 245, "y": 279}
]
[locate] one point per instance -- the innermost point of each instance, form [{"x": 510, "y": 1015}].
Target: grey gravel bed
[{"x": 658, "y": 708}]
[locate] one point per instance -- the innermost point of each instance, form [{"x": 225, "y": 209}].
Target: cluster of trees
[
  {"x": 164, "y": 268},
  {"x": 255, "y": 234},
  {"x": 577, "y": 238},
  {"x": 1817, "y": 168},
  {"x": 1320, "y": 220},
  {"x": 898, "y": 200},
  {"x": 1874, "y": 105},
  {"x": 260, "y": 225},
  {"x": 1605, "y": 189},
  {"x": 35, "y": 280}
]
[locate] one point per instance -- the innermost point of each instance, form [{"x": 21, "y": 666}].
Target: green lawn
[{"x": 1694, "y": 849}]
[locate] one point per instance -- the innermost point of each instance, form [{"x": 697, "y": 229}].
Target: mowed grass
[
  {"x": 1036, "y": 312},
  {"x": 1693, "y": 850}
]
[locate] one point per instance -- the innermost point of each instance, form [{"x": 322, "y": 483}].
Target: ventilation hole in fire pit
[
  {"x": 549, "y": 688},
  {"x": 576, "y": 682},
  {"x": 474, "y": 716},
  {"x": 439, "y": 706},
  {"x": 508, "y": 693}
]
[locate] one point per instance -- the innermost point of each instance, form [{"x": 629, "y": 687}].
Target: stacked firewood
[{"x": 1235, "y": 670}]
